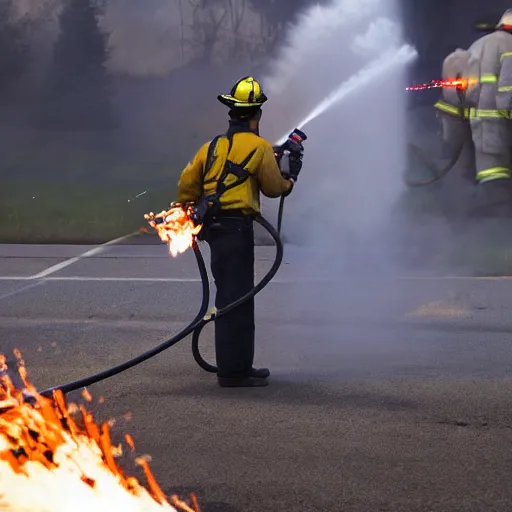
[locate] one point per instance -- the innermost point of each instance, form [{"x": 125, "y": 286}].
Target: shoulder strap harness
[{"x": 239, "y": 170}]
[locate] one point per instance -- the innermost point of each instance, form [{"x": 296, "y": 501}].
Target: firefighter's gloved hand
[
  {"x": 294, "y": 160},
  {"x": 295, "y": 147}
]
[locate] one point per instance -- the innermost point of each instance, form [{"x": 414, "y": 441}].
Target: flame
[
  {"x": 53, "y": 462},
  {"x": 459, "y": 83},
  {"x": 175, "y": 227}
]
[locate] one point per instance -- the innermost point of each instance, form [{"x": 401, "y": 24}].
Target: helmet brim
[{"x": 232, "y": 102}]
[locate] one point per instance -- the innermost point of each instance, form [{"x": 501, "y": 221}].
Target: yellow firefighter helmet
[{"x": 247, "y": 92}]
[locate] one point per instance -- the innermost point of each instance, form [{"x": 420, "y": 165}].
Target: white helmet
[{"x": 506, "y": 19}]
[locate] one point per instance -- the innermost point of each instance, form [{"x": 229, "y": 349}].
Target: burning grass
[{"x": 54, "y": 457}]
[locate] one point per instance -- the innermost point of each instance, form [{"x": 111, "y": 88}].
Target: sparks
[
  {"x": 55, "y": 458},
  {"x": 175, "y": 227},
  {"x": 459, "y": 83}
]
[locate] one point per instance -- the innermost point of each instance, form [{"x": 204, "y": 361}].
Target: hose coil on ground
[
  {"x": 438, "y": 173},
  {"x": 275, "y": 234},
  {"x": 201, "y": 319}
]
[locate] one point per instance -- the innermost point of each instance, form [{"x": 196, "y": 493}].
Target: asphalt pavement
[{"x": 388, "y": 392}]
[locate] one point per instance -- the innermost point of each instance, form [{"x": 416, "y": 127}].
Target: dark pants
[{"x": 231, "y": 241}]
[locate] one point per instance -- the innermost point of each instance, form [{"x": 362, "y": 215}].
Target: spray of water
[
  {"x": 346, "y": 92},
  {"x": 349, "y": 97},
  {"x": 363, "y": 78}
]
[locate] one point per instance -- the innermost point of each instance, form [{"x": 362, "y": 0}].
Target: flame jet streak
[{"x": 459, "y": 83}]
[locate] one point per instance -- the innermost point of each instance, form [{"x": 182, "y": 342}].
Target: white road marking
[
  {"x": 127, "y": 279},
  {"x": 88, "y": 254},
  {"x": 276, "y": 281},
  {"x": 80, "y": 279},
  {"x": 124, "y": 323},
  {"x": 44, "y": 276},
  {"x": 22, "y": 289}
]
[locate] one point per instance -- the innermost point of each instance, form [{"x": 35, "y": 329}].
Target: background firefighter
[
  {"x": 489, "y": 95},
  {"x": 230, "y": 171},
  {"x": 452, "y": 108}
]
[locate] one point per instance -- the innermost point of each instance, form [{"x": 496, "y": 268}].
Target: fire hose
[
  {"x": 275, "y": 234},
  {"x": 438, "y": 173},
  {"x": 199, "y": 321},
  {"x": 202, "y": 318}
]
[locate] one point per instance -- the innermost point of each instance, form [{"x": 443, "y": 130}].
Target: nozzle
[{"x": 298, "y": 135}]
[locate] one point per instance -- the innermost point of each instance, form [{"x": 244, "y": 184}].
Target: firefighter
[
  {"x": 451, "y": 107},
  {"x": 236, "y": 167},
  {"x": 489, "y": 95}
]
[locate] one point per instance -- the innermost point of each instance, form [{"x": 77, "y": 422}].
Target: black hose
[
  {"x": 279, "y": 220},
  {"x": 110, "y": 372},
  {"x": 275, "y": 234},
  {"x": 196, "y": 325},
  {"x": 437, "y": 173}
]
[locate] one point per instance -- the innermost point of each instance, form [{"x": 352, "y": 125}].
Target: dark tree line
[
  {"x": 14, "y": 53},
  {"x": 216, "y": 21},
  {"x": 76, "y": 93}
]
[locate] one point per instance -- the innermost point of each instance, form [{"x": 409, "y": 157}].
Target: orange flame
[
  {"x": 175, "y": 227},
  {"x": 50, "y": 461}
]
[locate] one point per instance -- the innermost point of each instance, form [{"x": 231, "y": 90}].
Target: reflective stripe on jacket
[
  {"x": 476, "y": 113},
  {"x": 443, "y": 106},
  {"x": 489, "y": 74}
]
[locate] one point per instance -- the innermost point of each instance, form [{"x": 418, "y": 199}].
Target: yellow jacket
[{"x": 265, "y": 175}]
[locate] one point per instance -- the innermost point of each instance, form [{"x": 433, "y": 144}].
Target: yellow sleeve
[
  {"x": 189, "y": 185},
  {"x": 271, "y": 182}
]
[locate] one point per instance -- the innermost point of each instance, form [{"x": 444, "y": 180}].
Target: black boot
[
  {"x": 260, "y": 373},
  {"x": 241, "y": 382},
  {"x": 257, "y": 378}
]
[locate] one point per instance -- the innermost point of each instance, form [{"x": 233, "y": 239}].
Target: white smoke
[
  {"x": 318, "y": 29},
  {"x": 327, "y": 45},
  {"x": 381, "y": 33},
  {"x": 347, "y": 90}
]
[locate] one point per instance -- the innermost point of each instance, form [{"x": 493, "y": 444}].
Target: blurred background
[{"x": 104, "y": 102}]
